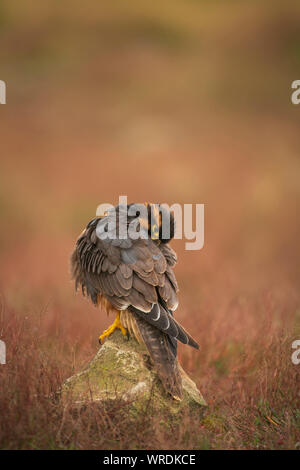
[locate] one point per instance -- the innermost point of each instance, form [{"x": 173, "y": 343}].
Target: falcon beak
[
  {"x": 155, "y": 224},
  {"x": 154, "y": 232}
]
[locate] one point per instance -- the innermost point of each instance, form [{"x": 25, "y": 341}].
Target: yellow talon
[{"x": 116, "y": 325}]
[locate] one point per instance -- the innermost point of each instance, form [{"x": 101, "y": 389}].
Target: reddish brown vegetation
[{"x": 243, "y": 369}]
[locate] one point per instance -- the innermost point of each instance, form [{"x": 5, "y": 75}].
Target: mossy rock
[{"x": 122, "y": 370}]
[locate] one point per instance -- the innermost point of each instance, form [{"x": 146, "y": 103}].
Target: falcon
[{"x": 133, "y": 278}]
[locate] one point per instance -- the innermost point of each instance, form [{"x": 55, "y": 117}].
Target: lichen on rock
[{"x": 122, "y": 370}]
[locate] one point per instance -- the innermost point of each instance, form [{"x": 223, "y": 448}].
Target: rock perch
[{"x": 122, "y": 369}]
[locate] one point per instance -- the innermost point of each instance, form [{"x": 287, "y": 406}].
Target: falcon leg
[{"x": 116, "y": 325}]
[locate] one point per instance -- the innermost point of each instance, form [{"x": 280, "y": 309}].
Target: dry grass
[{"x": 245, "y": 373}]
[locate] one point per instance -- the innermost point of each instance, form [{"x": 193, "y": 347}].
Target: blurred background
[{"x": 178, "y": 101}]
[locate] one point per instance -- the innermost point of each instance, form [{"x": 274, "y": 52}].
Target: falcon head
[
  {"x": 156, "y": 219},
  {"x": 161, "y": 224}
]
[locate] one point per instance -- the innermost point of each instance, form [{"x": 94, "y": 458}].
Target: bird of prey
[{"x": 133, "y": 278}]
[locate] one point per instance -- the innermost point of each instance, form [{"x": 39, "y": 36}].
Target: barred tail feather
[{"x": 163, "y": 355}]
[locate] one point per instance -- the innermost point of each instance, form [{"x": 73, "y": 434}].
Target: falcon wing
[{"x": 136, "y": 275}]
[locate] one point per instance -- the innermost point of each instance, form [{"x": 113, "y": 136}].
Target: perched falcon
[{"x": 133, "y": 278}]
